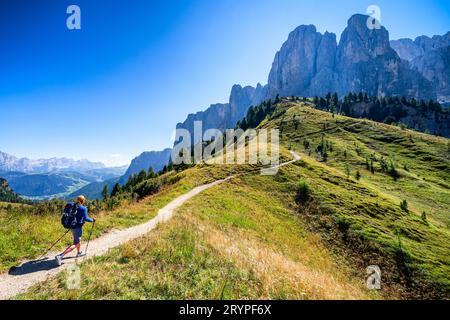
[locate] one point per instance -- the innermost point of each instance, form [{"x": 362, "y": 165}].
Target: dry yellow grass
[{"x": 280, "y": 273}]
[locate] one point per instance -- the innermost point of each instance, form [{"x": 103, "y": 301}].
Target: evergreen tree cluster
[
  {"x": 382, "y": 109},
  {"x": 255, "y": 115}
]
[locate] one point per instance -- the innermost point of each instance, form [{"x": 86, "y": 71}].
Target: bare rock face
[
  {"x": 226, "y": 115},
  {"x": 295, "y": 64},
  {"x": 407, "y": 49},
  {"x": 312, "y": 64},
  {"x": 427, "y": 44},
  {"x": 241, "y": 99},
  {"x": 213, "y": 117},
  {"x": 435, "y": 66},
  {"x": 431, "y": 58},
  {"x": 366, "y": 62},
  {"x": 154, "y": 159},
  {"x": 305, "y": 65}
]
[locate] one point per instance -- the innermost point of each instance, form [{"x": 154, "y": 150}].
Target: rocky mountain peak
[{"x": 359, "y": 43}]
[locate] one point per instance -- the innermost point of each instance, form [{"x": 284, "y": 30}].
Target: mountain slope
[
  {"x": 154, "y": 159},
  {"x": 252, "y": 236},
  {"x": 421, "y": 116},
  {"x": 6, "y": 193},
  {"x": 223, "y": 116},
  {"x": 94, "y": 190}
]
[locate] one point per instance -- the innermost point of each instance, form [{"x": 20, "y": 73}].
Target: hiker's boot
[
  {"x": 80, "y": 254},
  {"x": 58, "y": 259}
]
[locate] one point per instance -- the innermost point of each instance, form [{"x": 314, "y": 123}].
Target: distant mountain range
[
  {"x": 66, "y": 178},
  {"x": 50, "y": 178},
  {"x": 153, "y": 159},
  {"x": 12, "y": 163},
  {"x": 57, "y": 184},
  {"x": 312, "y": 64}
]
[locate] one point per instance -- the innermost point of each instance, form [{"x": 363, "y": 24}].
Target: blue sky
[{"x": 118, "y": 86}]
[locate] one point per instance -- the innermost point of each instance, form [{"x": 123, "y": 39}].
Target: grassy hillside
[
  {"x": 266, "y": 237},
  {"x": 26, "y": 231},
  {"x": 237, "y": 240},
  {"x": 393, "y": 165}
]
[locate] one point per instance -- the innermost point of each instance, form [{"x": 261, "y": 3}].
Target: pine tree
[
  {"x": 316, "y": 100},
  {"x": 277, "y": 99},
  {"x": 347, "y": 170},
  {"x": 151, "y": 173},
  {"x": 105, "y": 192},
  {"x": 328, "y": 98},
  {"x": 360, "y": 97},
  {"x": 116, "y": 190},
  {"x": 404, "y": 205},
  {"x": 424, "y": 217},
  {"x": 366, "y": 97},
  {"x": 335, "y": 99},
  {"x": 142, "y": 175}
]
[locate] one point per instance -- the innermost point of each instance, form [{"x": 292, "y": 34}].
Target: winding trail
[{"x": 20, "y": 279}]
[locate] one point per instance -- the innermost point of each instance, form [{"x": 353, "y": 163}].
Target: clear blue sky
[{"x": 119, "y": 85}]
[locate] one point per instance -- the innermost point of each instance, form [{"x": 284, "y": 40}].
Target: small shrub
[
  {"x": 404, "y": 205},
  {"x": 424, "y": 217},
  {"x": 303, "y": 192},
  {"x": 148, "y": 187},
  {"x": 348, "y": 171}
]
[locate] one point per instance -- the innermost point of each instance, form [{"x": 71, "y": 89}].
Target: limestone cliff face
[
  {"x": 213, "y": 117},
  {"x": 366, "y": 62},
  {"x": 435, "y": 66},
  {"x": 409, "y": 49},
  {"x": 223, "y": 116},
  {"x": 312, "y": 64},
  {"x": 431, "y": 58},
  {"x": 295, "y": 64},
  {"x": 155, "y": 159}
]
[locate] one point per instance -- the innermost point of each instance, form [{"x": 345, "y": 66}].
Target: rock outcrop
[
  {"x": 223, "y": 116},
  {"x": 431, "y": 58}
]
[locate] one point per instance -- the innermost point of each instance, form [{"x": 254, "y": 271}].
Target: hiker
[{"x": 77, "y": 231}]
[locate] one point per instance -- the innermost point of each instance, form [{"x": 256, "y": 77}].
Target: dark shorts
[{"x": 77, "y": 233}]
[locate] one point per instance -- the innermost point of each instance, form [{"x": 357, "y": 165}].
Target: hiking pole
[
  {"x": 89, "y": 239},
  {"x": 54, "y": 244}
]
